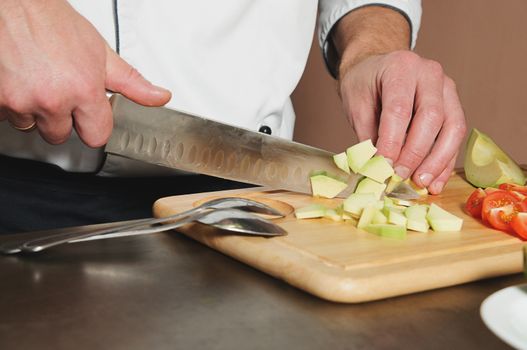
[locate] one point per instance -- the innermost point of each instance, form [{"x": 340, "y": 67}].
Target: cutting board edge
[
  {"x": 333, "y": 283},
  {"x": 314, "y": 277}
]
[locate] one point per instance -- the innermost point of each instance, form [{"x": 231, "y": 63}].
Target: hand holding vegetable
[{"x": 404, "y": 103}]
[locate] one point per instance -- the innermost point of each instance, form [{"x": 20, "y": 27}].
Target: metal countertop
[{"x": 166, "y": 291}]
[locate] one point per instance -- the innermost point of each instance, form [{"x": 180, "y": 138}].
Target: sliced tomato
[
  {"x": 490, "y": 190},
  {"x": 518, "y": 195},
  {"x": 514, "y": 187},
  {"x": 500, "y": 199},
  {"x": 519, "y": 225},
  {"x": 501, "y": 218},
  {"x": 506, "y": 186},
  {"x": 475, "y": 203}
]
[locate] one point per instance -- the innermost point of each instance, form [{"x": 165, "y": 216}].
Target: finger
[
  {"x": 20, "y": 121},
  {"x": 439, "y": 183},
  {"x": 93, "y": 121},
  {"x": 55, "y": 129},
  {"x": 397, "y": 107},
  {"x": 124, "y": 79},
  {"x": 426, "y": 123},
  {"x": 363, "y": 114},
  {"x": 449, "y": 139}
]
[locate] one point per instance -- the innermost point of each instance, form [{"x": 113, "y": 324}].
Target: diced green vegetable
[
  {"x": 326, "y": 186},
  {"x": 367, "y": 185},
  {"x": 356, "y": 202},
  {"x": 377, "y": 168},
  {"x": 396, "y": 217},
  {"x": 395, "y": 180},
  {"x": 341, "y": 160},
  {"x": 367, "y": 216},
  {"x": 311, "y": 211},
  {"x": 379, "y": 218},
  {"x": 333, "y": 215},
  {"x": 416, "y": 215},
  {"x": 442, "y": 220},
  {"x": 359, "y": 154},
  {"x": 387, "y": 230}
]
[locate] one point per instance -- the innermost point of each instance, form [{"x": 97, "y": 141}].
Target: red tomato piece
[
  {"x": 501, "y": 218},
  {"x": 519, "y": 225},
  {"x": 475, "y": 203},
  {"x": 500, "y": 199},
  {"x": 490, "y": 190},
  {"x": 518, "y": 195},
  {"x": 514, "y": 187},
  {"x": 522, "y": 206},
  {"x": 506, "y": 187}
]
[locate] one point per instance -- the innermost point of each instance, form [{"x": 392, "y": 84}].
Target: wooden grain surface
[{"x": 338, "y": 262}]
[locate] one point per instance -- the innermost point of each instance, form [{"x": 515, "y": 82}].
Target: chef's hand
[
  {"x": 55, "y": 69},
  {"x": 404, "y": 103}
]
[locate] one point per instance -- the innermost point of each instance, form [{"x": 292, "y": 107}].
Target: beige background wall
[{"x": 482, "y": 44}]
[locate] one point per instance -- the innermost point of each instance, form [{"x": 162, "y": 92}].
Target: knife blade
[
  {"x": 404, "y": 191},
  {"x": 183, "y": 141}
]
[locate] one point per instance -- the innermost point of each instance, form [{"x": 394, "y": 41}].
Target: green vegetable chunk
[
  {"x": 356, "y": 202},
  {"x": 326, "y": 186},
  {"x": 487, "y": 165},
  {"x": 341, "y": 161},
  {"x": 367, "y": 216},
  {"x": 416, "y": 215},
  {"x": 396, "y": 217},
  {"x": 311, "y": 211},
  {"x": 377, "y": 169},
  {"x": 359, "y": 154},
  {"x": 387, "y": 230},
  {"x": 370, "y": 186},
  {"x": 379, "y": 218},
  {"x": 442, "y": 220}
]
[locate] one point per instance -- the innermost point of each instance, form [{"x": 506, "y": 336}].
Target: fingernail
[
  {"x": 389, "y": 161},
  {"x": 402, "y": 171},
  {"x": 437, "y": 187},
  {"x": 161, "y": 91},
  {"x": 425, "y": 179}
]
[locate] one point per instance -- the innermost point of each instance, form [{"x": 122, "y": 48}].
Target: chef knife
[{"x": 183, "y": 141}]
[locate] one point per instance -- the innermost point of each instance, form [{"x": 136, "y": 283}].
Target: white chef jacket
[{"x": 235, "y": 61}]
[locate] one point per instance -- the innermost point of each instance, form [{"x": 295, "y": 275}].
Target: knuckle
[
  {"x": 414, "y": 156},
  {"x": 434, "y": 68},
  {"x": 49, "y": 102},
  {"x": 86, "y": 88},
  {"x": 132, "y": 74},
  {"x": 389, "y": 146},
  {"x": 90, "y": 91},
  {"x": 460, "y": 128},
  {"x": 405, "y": 57},
  {"x": 399, "y": 110},
  {"x": 432, "y": 114},
  {"x": 15, "y": 103},
  {"x": 450, "y": 83}
]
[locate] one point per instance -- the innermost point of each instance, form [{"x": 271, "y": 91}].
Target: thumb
[{"x": 126, "y": 80}]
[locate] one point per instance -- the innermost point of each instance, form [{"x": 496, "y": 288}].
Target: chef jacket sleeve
[{"x": 330, "y": 11}]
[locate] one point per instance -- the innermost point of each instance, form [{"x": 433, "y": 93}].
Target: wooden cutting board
[{"x": 338, "y": 262}]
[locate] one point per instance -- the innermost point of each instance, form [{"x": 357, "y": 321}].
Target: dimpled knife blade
[{"x": 179, "y": 140}]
